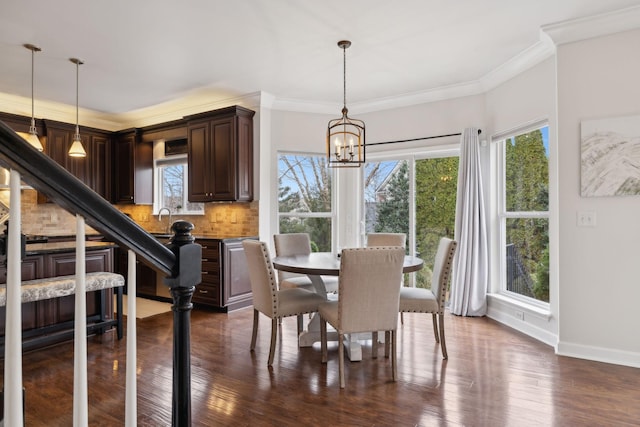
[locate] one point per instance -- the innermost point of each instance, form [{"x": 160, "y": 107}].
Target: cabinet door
[
  {"x": 99, "y": 159},
  {"x": 123, "y": 169},
  {"x": 199, "y": 162},
  {"x": 235, "y": 276},
  {"x": 145, "y": 280},
  {"x": 64, "y": 264},
  {"x": 244, "y": 172},
  {"x": 143, "y": 173},
  {"x": 32, "y": 267},
  {"x": 223, "y": 159}
]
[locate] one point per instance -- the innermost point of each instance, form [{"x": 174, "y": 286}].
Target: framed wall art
[{"x": 610, "y": 157}]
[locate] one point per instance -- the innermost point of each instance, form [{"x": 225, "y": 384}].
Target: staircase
[{"x": 179, "y": 261}]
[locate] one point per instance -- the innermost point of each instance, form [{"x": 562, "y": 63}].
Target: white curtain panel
[{"x": 470, "y": 275}]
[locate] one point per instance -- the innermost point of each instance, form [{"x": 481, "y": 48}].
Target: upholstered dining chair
[
  {"x": 298, "y": 244},
  {"x": 369, "y": 290},
  {"x": 270, "y": 301},
  {"x": 386, "y": 239},
  {"x": 420, "y": 300}
]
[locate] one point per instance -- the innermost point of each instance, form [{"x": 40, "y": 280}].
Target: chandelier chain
[{"x": 344, "y": 75}]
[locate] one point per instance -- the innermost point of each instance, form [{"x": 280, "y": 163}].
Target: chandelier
[{"x": 345, "y": 136}]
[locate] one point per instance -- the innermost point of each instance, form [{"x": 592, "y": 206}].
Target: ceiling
[{"x": 143, "y": 53}]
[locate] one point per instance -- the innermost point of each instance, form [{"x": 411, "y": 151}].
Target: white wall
[
  {"x": 530, "y": 96},
  {"x": 305, "y": 132},
  {"x": 599, "y": 290}
]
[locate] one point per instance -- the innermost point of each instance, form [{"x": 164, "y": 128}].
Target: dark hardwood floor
[{"x": 494, "y": 377}]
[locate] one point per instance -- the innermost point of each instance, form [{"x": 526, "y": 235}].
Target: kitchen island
[{"x": 50, "y": 321}]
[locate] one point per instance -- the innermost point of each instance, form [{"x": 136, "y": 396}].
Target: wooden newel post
[{"x": 182, "y": 283}]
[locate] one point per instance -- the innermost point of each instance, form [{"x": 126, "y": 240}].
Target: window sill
[{"x": 540, "y": 312}]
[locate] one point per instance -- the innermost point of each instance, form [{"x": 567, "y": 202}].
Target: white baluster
[
  {"x": 80, "y": 393},
  {"x": 131, "y": 412},
  {"x": 13, "y": 411}
]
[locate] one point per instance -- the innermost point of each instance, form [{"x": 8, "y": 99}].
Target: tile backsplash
[{"x": 48, "y": 219}]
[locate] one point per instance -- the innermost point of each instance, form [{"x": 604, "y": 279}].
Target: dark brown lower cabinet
[
  {"x": 225, "y": 276},
  {"x": 52, "y": 318},
  {"x": 146, "y": 276}
]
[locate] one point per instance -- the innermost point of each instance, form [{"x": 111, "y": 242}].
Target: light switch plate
[{"x": 586, "y": 219}]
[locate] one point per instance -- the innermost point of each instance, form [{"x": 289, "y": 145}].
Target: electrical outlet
[
  {"x": 586, "y": 219},
  {"x": 520, "y": 315},
  {"x": 234, "y": 217}
]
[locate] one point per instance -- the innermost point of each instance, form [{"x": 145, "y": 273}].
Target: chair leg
[
  {"x": 394, "y": 361},
  {"x": 300, "y": 323},
  {"x": 435, "y": 326},
  {"x": 387, "y": 342},
  {"x": 374, "y": 344},
  {"x": 323, "y": 339},
  {"x": 341, "y": 359},
  {"x": 274, "y": 334},
  {"x": 254, "y": 335},
  {"x": 442, "y": 342}
]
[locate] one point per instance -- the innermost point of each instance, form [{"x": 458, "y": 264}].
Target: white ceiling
[{"x": 141, "y": 53}]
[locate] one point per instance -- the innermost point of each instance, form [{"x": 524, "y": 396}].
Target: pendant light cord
[
  {"x": 344, "y": 75},
  {"x": 77, "y": 97},
  {"x": 33, "y": 53}
]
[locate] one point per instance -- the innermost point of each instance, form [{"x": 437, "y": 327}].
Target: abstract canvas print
[{"x": 610, "y": 157}]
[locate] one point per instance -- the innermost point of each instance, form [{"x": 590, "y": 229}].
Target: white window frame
[
  {"x": 331, "y": 214},
  {"x": 157, "y": 186},
  {"x": 410, "y": 156},
  {"x": 503, "y": 215}
]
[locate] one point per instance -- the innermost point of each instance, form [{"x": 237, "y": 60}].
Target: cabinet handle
[
  {"x": 204, "y": 273},
  {"x": 203, "y": 292},
  {"x": 205, "y": 260}
]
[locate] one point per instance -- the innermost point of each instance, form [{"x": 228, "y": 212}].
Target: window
[
  {"x": 415, "y": 196},
  {"x": 305, "y": 198},
  {"x": 171, "y": 187},
  {"x": 524, "y": 213}
]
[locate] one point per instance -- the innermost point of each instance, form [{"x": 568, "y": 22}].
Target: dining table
[{"x": 316, "y": 265}]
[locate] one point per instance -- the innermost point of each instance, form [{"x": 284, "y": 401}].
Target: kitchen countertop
[{"x": 47, "y": 248}]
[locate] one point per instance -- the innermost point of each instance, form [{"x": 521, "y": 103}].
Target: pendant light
[
  {"x": 32, "y": 137},
  {"x": 345, "y": 136},
  {"x": 77, "y": 150}
]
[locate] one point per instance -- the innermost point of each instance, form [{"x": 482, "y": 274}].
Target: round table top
[{"x": 328, "y": 264}]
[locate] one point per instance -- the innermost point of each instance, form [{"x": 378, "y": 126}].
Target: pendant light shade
[
  {"x": 32, "y": 136},
  {"x": 345, "y": 136},
  {"x": 77, "y": 150}
]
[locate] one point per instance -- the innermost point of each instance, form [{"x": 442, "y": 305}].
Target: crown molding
[
  {"x": 406, "y": 100},
  {"x": 59, "y": 112},
  {"x": 181, "y": 107},
  {"x": 593, "y": 26},
  {"x": 523, "y": 61}
]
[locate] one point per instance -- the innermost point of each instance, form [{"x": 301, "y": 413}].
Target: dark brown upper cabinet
[
  {"x": 220, "y": 155},
  {"x": 95, "y": 169},
  {"x": 132, "y": 168}
]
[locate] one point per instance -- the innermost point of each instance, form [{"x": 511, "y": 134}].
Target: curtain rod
[{"x": 419, "y": 139}]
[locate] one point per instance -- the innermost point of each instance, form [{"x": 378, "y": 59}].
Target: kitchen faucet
[{"x": 160, "y": 218}]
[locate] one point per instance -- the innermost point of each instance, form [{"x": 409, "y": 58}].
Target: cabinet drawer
[
  {"x": 210, "y": 277},
  {"x": 207, "y": 294},
  {"x": 211, "y": 266},
  {"x": 209, "y": 249}
]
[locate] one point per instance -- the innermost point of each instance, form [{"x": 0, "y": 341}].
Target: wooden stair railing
[{"x": 179, "y": 260}]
